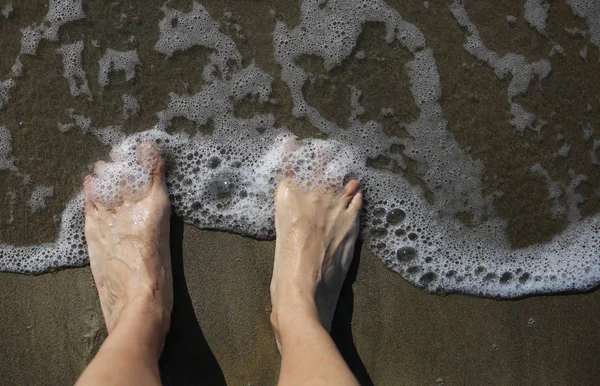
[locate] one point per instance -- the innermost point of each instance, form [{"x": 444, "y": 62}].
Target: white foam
[
  {"x": 59, "y": 13},
  {"x": 107, "y": 135},
  {"x": 557, "y": 49},
  {"x": 73, "y": 69},
  {"x": 38, "y": 197},
  {"x": 517, "y": 66},
  {"x": 180, "y": 31},
  {"x": 7, "y": 10},
  {"x": 130, "y": 105},
  {"x": 12, "y": 198},
  {"x": 114, "y": 60},
  {"x": 590, "y": 11},
  {"x": 555, "y": 191},
  {"x": 522, "y": 119},
  {"x": 5, "y": 87},
  {"x": 6, "y": 158},
  {"x": 226, "y": 179},
  {"x": 536, "y": 13}
]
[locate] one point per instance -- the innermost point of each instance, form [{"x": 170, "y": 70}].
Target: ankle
[
  {"x": 146, "y": 307},
  {"x": 148, "y": 327},
  {"x": 289, "y": 312}
]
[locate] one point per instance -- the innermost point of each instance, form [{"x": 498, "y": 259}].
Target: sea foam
[{"x": 226, "y": 180}]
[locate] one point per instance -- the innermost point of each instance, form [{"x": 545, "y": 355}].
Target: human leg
[
  {"x": 129, "y": 253},
  {"x": 316, "y": 233}
]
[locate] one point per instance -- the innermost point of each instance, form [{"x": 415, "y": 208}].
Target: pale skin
[{"x": 130, "y": 259}]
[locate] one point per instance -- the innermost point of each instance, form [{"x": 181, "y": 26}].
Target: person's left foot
[{"x": 128, "y": 244}]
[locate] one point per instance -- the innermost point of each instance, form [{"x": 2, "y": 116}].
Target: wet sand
[{"x": 389, "y": 331}]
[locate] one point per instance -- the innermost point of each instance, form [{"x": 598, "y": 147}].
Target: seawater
[{"x": 226, "y": 179}]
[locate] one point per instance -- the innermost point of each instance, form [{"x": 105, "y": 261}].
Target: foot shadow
[
  {"x": 341, "y": 326},
  {"x": 186, "y": 358}
]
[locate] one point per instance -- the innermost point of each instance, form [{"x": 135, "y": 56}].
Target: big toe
[{"x": 92, "y": 204}]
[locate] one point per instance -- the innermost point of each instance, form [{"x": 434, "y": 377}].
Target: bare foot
[
  {"x": 128, "y": 244},
  {"x": 316, "y": 233}
]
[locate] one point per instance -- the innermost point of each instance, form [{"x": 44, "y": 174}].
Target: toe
[
  {"x": 88, "y": 185},
  {"x": 98, "y": 167},
  {"x": 89, "y": 208},
  {"x": 93, "y": 203},
  {"x": 148, "y": 154},
  {"x": 356, "y": 202},
  {"x": 158, "y": 173},
  {"x": 351, "y": 188}
]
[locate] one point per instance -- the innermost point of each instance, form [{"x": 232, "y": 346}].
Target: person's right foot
[{"x": 316, "y": 233}]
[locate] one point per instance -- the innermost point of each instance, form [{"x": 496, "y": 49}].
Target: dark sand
[{"x": 389, "y": 331}]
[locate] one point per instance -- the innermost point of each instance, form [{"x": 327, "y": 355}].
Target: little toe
[
  {"x": 350, "y": 190},
  {"x": 158, "y": 173},
  {"x": 356, "y": 202},
  {"x": 351, "y": 187}
]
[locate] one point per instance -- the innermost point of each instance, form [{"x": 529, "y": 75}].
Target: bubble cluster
[
  {"x": 6, "y": 158},
  {"x": 226, "y": 185},
  {"x": 69, "y": 249},
  {"x": 130, "y": 105},
  {"x": 108, "y": 135},
  {"x": 536, "y": 13},
  {"x": 180, "y": 31},
  {"x": 5, "y": 87},
  {"x": 590, "y": 11},
  {"x": 59, "y": 13},
  {"x": 521, "y": 71},
  {"x": 73, "y": 69},
  {"x": 38, "y": 197},
  {"x": 114, "y": 60},
  {"x": 226, "y": 179}
]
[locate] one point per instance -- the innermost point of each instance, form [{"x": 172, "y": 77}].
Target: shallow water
[{"x": 482, "y": 137}]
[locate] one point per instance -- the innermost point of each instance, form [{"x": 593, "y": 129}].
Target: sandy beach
[{"x": 390, "y": 332}]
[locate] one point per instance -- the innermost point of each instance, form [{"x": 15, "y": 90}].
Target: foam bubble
[
  {"x": 590, "y": 11},
  {"x": 517, "y": 66},
  {"x": 536, "y": 13},
  {"x": 73, "y": 69},
  {"x": 5, "y": 87},
  {"x": 38, "y": 197},
  {"x": 108, "y": 135},
  {"x": 180, "y": 31},
  {"x": 226, "y": 179},
  {"x": 130, "y": 105},
  {"x": 59, "y": 13},
  {"x": 6, "y": 158},
  {"x": 7, "y": 10},
  {"x": 114, "y": 60}
]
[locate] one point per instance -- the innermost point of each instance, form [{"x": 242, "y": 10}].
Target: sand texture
[{"x": 390, "y": 332}]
